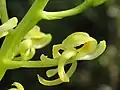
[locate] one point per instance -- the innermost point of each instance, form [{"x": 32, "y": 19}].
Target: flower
[{"x": 77, "y": 46}]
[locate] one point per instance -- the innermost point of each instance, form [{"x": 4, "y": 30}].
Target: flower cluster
[
  {"x": 77, "y": 46},
  {"x": 23, "y": 39}
]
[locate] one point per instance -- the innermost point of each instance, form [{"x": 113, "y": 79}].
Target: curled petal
[
  {"x": 26, "y": 50},
  {"x": 34, "y": 33},
  {"x": 18, "y": 85},
  {"x": 44, "y": 58},
  {"x": 39, "y": 43},
  {"x": 10, "y": 24},
  {"x": 65, "y": 56},
  {"x": 76, "y": 39},
  {"x": 58, "y": 81},
  {"x": 51, "y": 72},
  {"x": 88, "y": 47},
  {"x": 25, "y": 45},
  {"x": 56, "y": 49},
  {"x": 98, "y": 51},
  {"x": 29, "y": 54}
]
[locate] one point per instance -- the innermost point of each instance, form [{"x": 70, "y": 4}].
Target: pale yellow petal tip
[
  {"x": 18, "y": 86},
  {"x": 51, "y": 72},
  {"x": 48, "y": 82},
  {"x": 64, "y": 78},
  {"x": 8, "y": 25},
  {"x": 42, "y": 42},
  {"x": 35, "y": 33},
  {"x": 99, "y": 50},
  {"x": 43, "y": 81},
  {"x": 11, "y": 23},
  {"x": 15, "y": 19}
]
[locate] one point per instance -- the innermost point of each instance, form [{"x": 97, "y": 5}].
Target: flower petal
[
  {"x": 39, "y": 43},
  {"x": 64, "y": 57},
  {"x": 56, "y": 49},
  {"x": 26, "y": 50},
  {"x": 76, "y": 39},
  {"x": 18, "y": 85},
  {"x": 99, "y": 50},
  {"x": 34, "y": 33},
  {"x": 51, "y": 72},
  {"x": 58, "y": 81},
  {"x": 88, "y": 47},
  {"x": 10, "y": 24}
]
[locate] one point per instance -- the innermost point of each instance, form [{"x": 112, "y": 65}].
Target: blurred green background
[{"x": 101, "y": 22}]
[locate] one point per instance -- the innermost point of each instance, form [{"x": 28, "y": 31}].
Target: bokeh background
[{"x": 101, "y": 22}]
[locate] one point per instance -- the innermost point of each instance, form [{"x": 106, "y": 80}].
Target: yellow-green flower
[
  {"x": 77, "y": 46},
  {"x": 34, "y": 39}
]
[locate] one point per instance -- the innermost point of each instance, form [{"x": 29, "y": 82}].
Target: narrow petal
[
  {"x": 18, "y": 86},
  {"x": 10, "y": 24},
  {"x": 51, "y": 72},
  {"x": 55, "y": 50},
  {"x": 58, "y": 81},
  {"x": 65, "y": 56}
]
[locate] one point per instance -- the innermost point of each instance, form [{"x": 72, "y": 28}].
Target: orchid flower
[
  {"x": 88, "y": 51},
  {"x": 34, "y": 39}
]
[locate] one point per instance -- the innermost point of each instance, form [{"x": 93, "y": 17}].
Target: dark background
[{"x": 101, "y": 22}]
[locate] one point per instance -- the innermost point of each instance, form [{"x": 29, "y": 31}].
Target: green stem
[
  {"x": 27, "y": 23},
  {"x": 34, "y": 63},
  {"x": 31, "y": 64},
  {"x": 3, "y": 11},
  {"x": 60, "y": 14}
]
